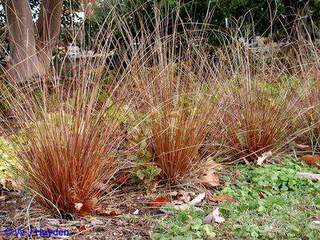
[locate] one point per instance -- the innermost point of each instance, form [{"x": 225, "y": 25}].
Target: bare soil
[
  {"x": 116, "y": 221},
  {"x": 129, "y": 214}
]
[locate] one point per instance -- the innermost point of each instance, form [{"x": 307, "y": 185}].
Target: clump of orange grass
[
  {"x": 307, "y": 68},
  {"x": 67, "y": 148},
  {"x": 254, "y": 121},
  {"x": 310, "y": 127},
  {"x": 259, "y": 97},
  {"x": 67, "y": 141},
  {"x": 168, "y": 69},
  {"x": 177, "y": 121}
]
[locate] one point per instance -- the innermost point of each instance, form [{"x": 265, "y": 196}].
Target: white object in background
[
  {"x": 73, "y": 51},
  {"x": 227, "y": 22},
  {"x": 244, "y": 41}
]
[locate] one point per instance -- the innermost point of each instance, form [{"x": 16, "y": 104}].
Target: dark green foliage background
[{"x": 256, "y": 14}]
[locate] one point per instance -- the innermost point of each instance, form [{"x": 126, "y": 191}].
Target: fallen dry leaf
[
  {"x": 108, "y": 213},
  {"x": 210, "y": 180},
  {"x": 316, "y": 220},
  {"x": 185, "y": 196},
  {"x": 159, "y": 202},
  {"x": 311, "y": 159},
  {"x": 78, "y": 206},
  {"x": 264, "y": 157},
  {"x": 311, "y": 176},
  {"x": 214, "y": 216},
  {"x": 303, "y": 146},
  {"x": 82, "y": 228},
  {"x": 223, "y": 198},
  {"x": 198, "y": 199}
]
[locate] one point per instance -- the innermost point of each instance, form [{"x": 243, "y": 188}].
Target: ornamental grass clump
[
  {"x": 308, "y": 72},
  {"x": 260, "y": 100},
  {"x": 177, "y": 125},
  {"x": 69, "y": 149},
  {"x": 310, "y": 120},
  {"x": 255, "y": 122},
  {"x": 169, "y": 70}
]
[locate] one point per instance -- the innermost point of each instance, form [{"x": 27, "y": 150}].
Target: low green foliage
[
  {"x": 8, "y": 158},
  {"x": 184, "y": 225},
  {"x": 146, "y": 174},
  {"x": 120, "y": 113},
  {"x": 272, "y": 203},
  {"x": 145, "y": 170}
]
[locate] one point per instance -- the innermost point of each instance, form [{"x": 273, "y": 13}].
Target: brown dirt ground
[
  {"x": 17, "y": 210},
  {"x": 117, "y": 219}
]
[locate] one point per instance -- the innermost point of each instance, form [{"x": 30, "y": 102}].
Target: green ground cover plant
[
  {"x": 8, "y": 159},
  {"x": 271, "y": 203}
]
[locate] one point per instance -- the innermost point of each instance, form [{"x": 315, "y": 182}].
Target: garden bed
[{"x": 266, "y": 202}]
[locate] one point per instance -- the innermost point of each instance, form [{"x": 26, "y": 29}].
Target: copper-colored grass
[
  {"x": 176, "y": 149},
  {"x": 70, "y": 151},
  {"x": 167, "y": 69},
  {"x": 178, "y": 114},
  {"x": 67, "y": 140},
  {"x": 311, "y": 120},
  {"x": 254, "y": 122},
  {"x": 177, "y": 133}
]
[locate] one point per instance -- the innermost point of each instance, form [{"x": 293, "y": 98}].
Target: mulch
[
  {"x": 18, "y": 211},
  {"x": 126, "y": 214}
]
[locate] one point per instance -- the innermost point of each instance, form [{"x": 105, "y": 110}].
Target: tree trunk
[
  {"x": 31, "y": 46},
  {"x": 48, "y": 28},
  {"x": 24, "y": 62}
]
